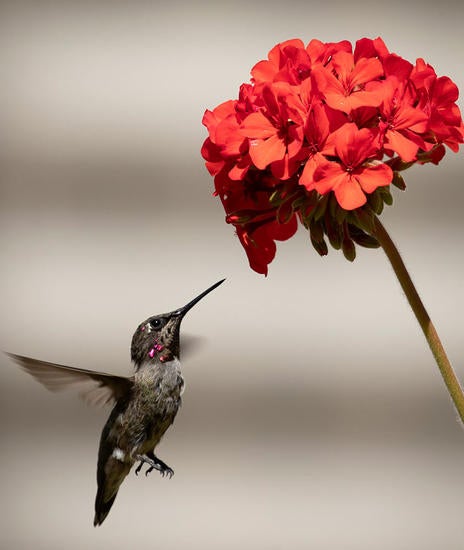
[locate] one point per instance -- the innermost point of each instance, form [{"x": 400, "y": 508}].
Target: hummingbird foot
[{"x": 154, "y": 463}]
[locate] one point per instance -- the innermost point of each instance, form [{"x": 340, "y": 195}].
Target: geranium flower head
[{"x": 319, "y": 135}]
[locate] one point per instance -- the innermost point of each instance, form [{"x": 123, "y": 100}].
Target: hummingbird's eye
[{"x": 156, "y": 324}]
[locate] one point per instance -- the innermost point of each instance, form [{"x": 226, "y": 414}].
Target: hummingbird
[{"x": 144, "y": 404}]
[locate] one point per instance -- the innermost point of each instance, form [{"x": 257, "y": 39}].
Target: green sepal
[
  {"x": 275, "y": 198},
  {"x": 387, "y": 197}
]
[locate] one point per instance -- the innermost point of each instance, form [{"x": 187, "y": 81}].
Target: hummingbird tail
[{"x": 102, "y": 507}]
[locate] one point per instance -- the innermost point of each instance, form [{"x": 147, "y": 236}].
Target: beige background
[{"x": 314, "y": 416}]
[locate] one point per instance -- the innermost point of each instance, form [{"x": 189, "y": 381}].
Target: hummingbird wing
[{"x": 96, "y": 388}]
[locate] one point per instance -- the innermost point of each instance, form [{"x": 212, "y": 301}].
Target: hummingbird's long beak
[{"x": 183, "y": 310}]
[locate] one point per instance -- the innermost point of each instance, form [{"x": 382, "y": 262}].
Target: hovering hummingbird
[{"x": 145, "y": 404}]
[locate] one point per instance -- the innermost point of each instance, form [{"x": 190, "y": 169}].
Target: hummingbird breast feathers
[
  {"x": 156, "y": 398},
  {"x": 136, "y": 426}
]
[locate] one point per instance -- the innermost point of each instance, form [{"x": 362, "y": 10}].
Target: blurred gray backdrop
[{"x": 314, "y": 415}]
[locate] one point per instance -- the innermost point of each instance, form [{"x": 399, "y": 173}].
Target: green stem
[{"x": 446, "y": 370}]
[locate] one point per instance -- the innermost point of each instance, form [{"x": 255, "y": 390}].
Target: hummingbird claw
[{"x": 154, "y": 463}]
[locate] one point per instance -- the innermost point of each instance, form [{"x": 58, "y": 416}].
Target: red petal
[
  {"x": 349, "y": 194},
  {"x": 409, "y": 117},
  {"x": 212, "y": 118},
  {"x": 229, "y": 138},
  {"x": 405, "y": 148},
  {"x": 347, "y": 103},
  {"x": 366, "y": 47},
  {"x": 374, "y": 176},
  {"x": 260, "y": 246},
  {"x": 396, "y": 66},
  {"x": 260, "y": 252},
  {"x": 328, "y": 175},
  {"x": 263, "y": 71},
  {"x": 239, "y": 170},
  {"x": 263, "y": 152},
  {"x": 327, "y": 83},
  {"x": 320, "y": 51},
  {"x": 366, "y": 70},
  {"x": 307, "y": 177},
  {"x": 257, "y": 126},
  {"x": 283, "y": 231},
  {"x": 285, "y": 168},
  {"x": 352, "y": 145},
  {"x": 295, "y": 42},
  {"x": 445, "y": 90}
]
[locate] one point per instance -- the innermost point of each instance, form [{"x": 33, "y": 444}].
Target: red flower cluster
[{"x": 319, "y": 135}]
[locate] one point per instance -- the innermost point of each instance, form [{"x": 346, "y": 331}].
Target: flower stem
[{"x": 446, "y": 370}]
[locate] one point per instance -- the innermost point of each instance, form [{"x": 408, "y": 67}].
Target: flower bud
[
  {"x": 320, "y": 247},
  {"x": 334, "y": 232},
  {"x": 284, "y": 212},
  {"x": 238, "y": 218},
  {"x": 363, "y": 218},
  {"x": 375, "y": 202},
  {"x": 340, "y": 215},
  {"x": 317, "y": 231},
  {"x": 349, "y": 249},
  {"x": 399, "y": 165},
  {"x": 321, "y": 207},
  {"x": 363, "y": 239},
  {"x": 398, "y": 181},
  {"x": 387, "y": 197}
]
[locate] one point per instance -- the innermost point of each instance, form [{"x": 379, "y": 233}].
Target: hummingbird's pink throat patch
[{"x": 156, "y": 348}]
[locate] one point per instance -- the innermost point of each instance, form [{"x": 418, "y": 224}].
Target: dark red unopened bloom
[
  {"x": 319, "y": 135},
  {"x": 258, "y": 223}
]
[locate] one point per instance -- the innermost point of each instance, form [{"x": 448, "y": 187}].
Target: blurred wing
[{"x": 96, "y": 388}]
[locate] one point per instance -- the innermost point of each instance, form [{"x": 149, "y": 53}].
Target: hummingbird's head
[{"x": 158, "y": 337}]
